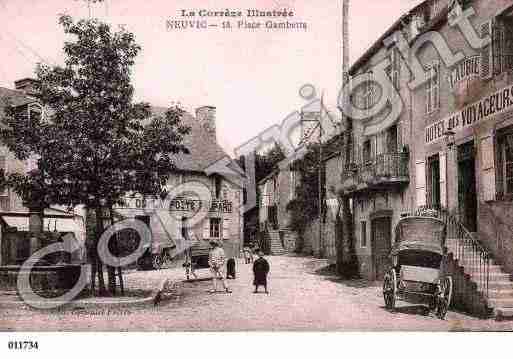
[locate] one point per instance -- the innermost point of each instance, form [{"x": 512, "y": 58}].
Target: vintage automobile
[{"x": 418, "y": 268}]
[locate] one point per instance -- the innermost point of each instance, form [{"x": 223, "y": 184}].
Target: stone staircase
[
  {"x": 275, "y": 244},
  {"x": 493, "y": 285}
]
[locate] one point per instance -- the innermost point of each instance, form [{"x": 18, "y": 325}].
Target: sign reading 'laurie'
[
  {"x": 482, "y": 110},
  {"x": 468, "y": 68}
]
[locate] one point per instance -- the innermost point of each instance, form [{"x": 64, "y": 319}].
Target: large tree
[{"x": 94, "y": 144}]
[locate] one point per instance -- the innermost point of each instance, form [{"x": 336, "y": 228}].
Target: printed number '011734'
[{"x": 22, "y": 345}]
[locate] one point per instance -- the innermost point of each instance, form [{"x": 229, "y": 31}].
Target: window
[
  {"x": 391, "y": 139},
  {"x": 368, "y": 95},
  {"x": 225, "y": 193},
  {"x": 433, "y": 88},
  {"x": 217, "y": 186},
  {"x": 434, "y": 9},
  {"x": 185, "y": 235},
  {"x": 434, "y": 198},
  {"x": 505, "y": 165},
  {"x": 3, "y": 166},
  {"x": 363, "y": 233},
  {"x": 395, "y": 60},
  {"x": 215, "y": 227},
  {"x": 497, "y": 57},
  {"x": 366, "y": 151},
  {"x": 293, "y": 185}
]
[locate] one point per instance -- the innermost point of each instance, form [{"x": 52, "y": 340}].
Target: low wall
[
  {"x": 496, "y": 231},
  {"x": 41, "y": 278},
  {"x": 465, "y": 296}
]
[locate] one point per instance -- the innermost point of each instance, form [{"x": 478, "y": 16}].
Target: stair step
[
  {"x": 500, "y": 294},
  {"x": 500, "y": 285},
  {"x": 501, "y": 303},
  {"x": 503, "y": 277},
  {"x": 501, "y": 313}
]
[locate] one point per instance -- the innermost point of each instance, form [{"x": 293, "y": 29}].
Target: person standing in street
[
  {"x": 260, "y": 270},
  {"x": 216, "y": 259}
]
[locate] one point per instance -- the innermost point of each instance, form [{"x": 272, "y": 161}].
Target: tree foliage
[
  {"x": 94, "y": 144},
  {"x": 268, "y": 161},
  {"x": 305, "y": 206}
]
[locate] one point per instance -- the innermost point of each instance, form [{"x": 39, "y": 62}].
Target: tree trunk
[{"x": 99, "y": 264}]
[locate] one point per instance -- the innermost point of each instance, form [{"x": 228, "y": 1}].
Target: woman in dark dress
[{"x": 260, "y": 270}]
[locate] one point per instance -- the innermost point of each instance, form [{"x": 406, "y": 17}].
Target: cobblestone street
[{"x": 301, "y": 298}]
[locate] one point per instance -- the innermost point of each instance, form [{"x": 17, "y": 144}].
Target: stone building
[
  {"x": 279, "y": 188},
  {"x": 274, "y": 194},
  {"x": 167, "y": 217},
  {"x": 16, "y": 243},
  {"x": 451, "y": 146}
]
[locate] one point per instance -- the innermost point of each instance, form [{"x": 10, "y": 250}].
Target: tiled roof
[
  {"x": 16, "y": 97},
  {"x": 203, "y": 148}
]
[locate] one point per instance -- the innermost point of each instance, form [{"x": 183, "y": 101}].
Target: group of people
[{"x": 216, "y": 261}]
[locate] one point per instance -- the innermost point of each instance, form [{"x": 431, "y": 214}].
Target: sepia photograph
[{"x": 255, "y": 166}]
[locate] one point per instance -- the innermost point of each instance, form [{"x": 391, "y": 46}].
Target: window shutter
[
  {"x": 374, "y": 146},
  {"x": 206, "y": 228},
  {"x": 420, "y": 183},
  {"x": 442, "y": 157},
  {"x": 399, "y": 137},
  {"x": 436, "y": 87},
  {"x": 226, "y": 228},
  {"x": 488, "y": 169},
  {"x": 497, "y": 47},
  {"x": 486, "y": 52},
  {"x": 429, "y": 96}
]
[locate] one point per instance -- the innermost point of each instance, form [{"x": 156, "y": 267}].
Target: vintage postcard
[{"x": 260, "y": 165}]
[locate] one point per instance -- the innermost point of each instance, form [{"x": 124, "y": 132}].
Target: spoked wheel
[
  {"x": 157, "y": 261},
  {"x": 390, "y": 289},
  {"x": 443, "y": 297}
]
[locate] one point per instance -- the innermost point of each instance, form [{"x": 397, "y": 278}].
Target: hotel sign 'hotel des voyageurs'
[{"x": 452, "y": 145}]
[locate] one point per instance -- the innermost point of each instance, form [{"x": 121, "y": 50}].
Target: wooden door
[
  {"x": 467, "y": 195},
  {"x": 381, "y": 245}
]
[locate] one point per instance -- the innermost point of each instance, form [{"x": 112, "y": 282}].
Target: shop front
[{"x": 181, "y": 226}]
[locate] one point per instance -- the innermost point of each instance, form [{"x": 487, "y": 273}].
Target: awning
[{"x": 49, "y": 224}]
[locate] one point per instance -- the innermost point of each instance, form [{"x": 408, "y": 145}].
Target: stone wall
[{"x": 496, "y": 231}]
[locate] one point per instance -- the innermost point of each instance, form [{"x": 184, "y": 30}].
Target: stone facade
[{"x": 420, "y": 165}]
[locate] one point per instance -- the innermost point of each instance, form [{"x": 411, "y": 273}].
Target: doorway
[
  {"x": 467, "y": 196},
  {"x": 434, "y": 182},
  {"x": 381, "y": 245}
]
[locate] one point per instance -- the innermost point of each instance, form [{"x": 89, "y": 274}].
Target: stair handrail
[{"x": 469, "y": 251}]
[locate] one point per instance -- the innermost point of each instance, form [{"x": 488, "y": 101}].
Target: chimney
[
  {"x": 27, "y": 85},
  {"x": 206, "y": 116}
]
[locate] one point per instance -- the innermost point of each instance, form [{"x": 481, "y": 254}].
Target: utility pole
[
  {"x": 345, "y": 260},
  {"x": 320, "y": 188}
]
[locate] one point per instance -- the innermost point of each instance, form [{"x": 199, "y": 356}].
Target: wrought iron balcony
[{"x": 388, "y": 169}]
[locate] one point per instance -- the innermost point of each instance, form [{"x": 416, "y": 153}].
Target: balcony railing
[{"x": 384, "y": 169}]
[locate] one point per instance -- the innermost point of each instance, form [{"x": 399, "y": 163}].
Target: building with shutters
[
  {"x": 223, "y": 221},
  {"x": 15, "y": 242},
  {"x": 452, "y": 145},
  {"x": 170, "y": 217}
]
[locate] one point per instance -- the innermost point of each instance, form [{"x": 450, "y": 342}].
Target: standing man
[{"x": 216, "y": 258}]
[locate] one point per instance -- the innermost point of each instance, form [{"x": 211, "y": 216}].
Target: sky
[{"x": 252, "y": 77}]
